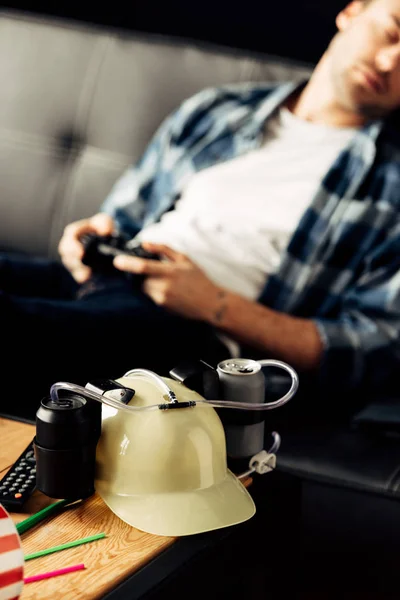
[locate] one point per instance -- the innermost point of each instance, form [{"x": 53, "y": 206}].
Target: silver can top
[{"x": 239, "y": 366}]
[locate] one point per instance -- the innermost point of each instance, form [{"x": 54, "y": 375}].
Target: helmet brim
[{"x": 185, "y": 513}]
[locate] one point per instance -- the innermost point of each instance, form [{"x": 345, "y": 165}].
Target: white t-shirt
[{"x": 234, "y": 219}]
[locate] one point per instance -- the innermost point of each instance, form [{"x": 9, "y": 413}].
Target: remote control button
[{"x": 20, "y": 481}]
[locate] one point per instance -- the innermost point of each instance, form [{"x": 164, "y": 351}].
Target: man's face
[{"x": 365, "y": 57}]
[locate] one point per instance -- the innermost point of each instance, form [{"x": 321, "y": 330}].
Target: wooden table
[
  {"x": 108, "y": 561},
  {"x": 125, "y": 564}
]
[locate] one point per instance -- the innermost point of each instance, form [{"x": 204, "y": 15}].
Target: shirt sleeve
[
  {"x": 128, "y": 200},
  {"x": 362, "y": 345},
  {"x": 146, "y": 189}
]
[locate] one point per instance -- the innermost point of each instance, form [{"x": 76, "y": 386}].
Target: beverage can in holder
[
  {"x": 67, "y": 432},
  {"x": 242, "y": 380}
]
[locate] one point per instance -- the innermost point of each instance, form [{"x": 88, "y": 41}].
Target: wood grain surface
[{"x": 107, "y": 561}]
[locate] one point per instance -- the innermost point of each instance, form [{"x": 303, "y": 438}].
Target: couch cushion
[{"x": 343, "y": 457}]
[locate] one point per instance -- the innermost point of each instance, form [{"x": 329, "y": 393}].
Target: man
[{"x": 275, "y": 212}]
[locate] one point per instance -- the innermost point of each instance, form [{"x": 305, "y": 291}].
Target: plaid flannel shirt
[{"x": 341, "y": 266}]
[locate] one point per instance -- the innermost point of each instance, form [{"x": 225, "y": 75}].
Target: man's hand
[
  {"x": 175, "y": 282},
  {"x": 71, "y": 249},
  {"x": 179, "y": 285}
]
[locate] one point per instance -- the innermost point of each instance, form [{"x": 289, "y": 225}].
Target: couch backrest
[{"x": 78, "y": 104}]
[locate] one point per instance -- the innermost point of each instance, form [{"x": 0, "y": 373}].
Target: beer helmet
[
  {"x": 161, "y": 459},
  {"x": 165, "y": 471}
]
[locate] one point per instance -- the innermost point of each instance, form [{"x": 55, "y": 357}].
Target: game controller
[{"x": 101, "y": 250}]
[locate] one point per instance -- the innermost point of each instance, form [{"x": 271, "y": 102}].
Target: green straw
[
  {"x": 86, "y": 540},
  {"x": 39, "y": 516}
]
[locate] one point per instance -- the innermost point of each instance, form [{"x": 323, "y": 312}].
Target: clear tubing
[
  {"x": 262, "y": 405},
  {"x": 276, "y": 444},
  {"x": 82, "y": 391},
  {"x": 171, "y": 397},
  {"x": 156, "y": 378},
  {"x": 272, "y": 450}
]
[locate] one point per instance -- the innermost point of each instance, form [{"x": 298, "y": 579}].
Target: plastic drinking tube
[{"x": 169, "y": 395}]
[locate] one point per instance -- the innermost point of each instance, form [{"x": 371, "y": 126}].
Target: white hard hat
[{"x": 165, "y": 471}]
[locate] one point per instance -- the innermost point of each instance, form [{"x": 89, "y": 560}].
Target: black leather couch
[{"x": 338, "y": 472}]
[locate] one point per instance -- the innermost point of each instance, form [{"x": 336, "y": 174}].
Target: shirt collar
[
  {"x": 282, "y": 92},
  {"x": 255, "y": 126}
]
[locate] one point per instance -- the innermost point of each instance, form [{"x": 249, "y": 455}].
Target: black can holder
[{"x": 67, "y": 432}]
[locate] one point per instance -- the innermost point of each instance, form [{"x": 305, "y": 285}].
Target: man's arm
[
  {"x": 296, "y": 341},
  {"x": 180, "y": 286},
  {"x": 360, "y": 346}
]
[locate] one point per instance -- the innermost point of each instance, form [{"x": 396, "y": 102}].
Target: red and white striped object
[{"x": 11, "y": 559}]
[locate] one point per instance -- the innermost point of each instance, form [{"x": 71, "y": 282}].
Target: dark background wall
[{"x": 296, "y": 29}]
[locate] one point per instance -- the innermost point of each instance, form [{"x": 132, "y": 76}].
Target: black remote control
[{"x": 20, "y": 481}]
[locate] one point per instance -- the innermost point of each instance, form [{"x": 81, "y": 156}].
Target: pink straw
[{"x": 53, "y": 573}]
